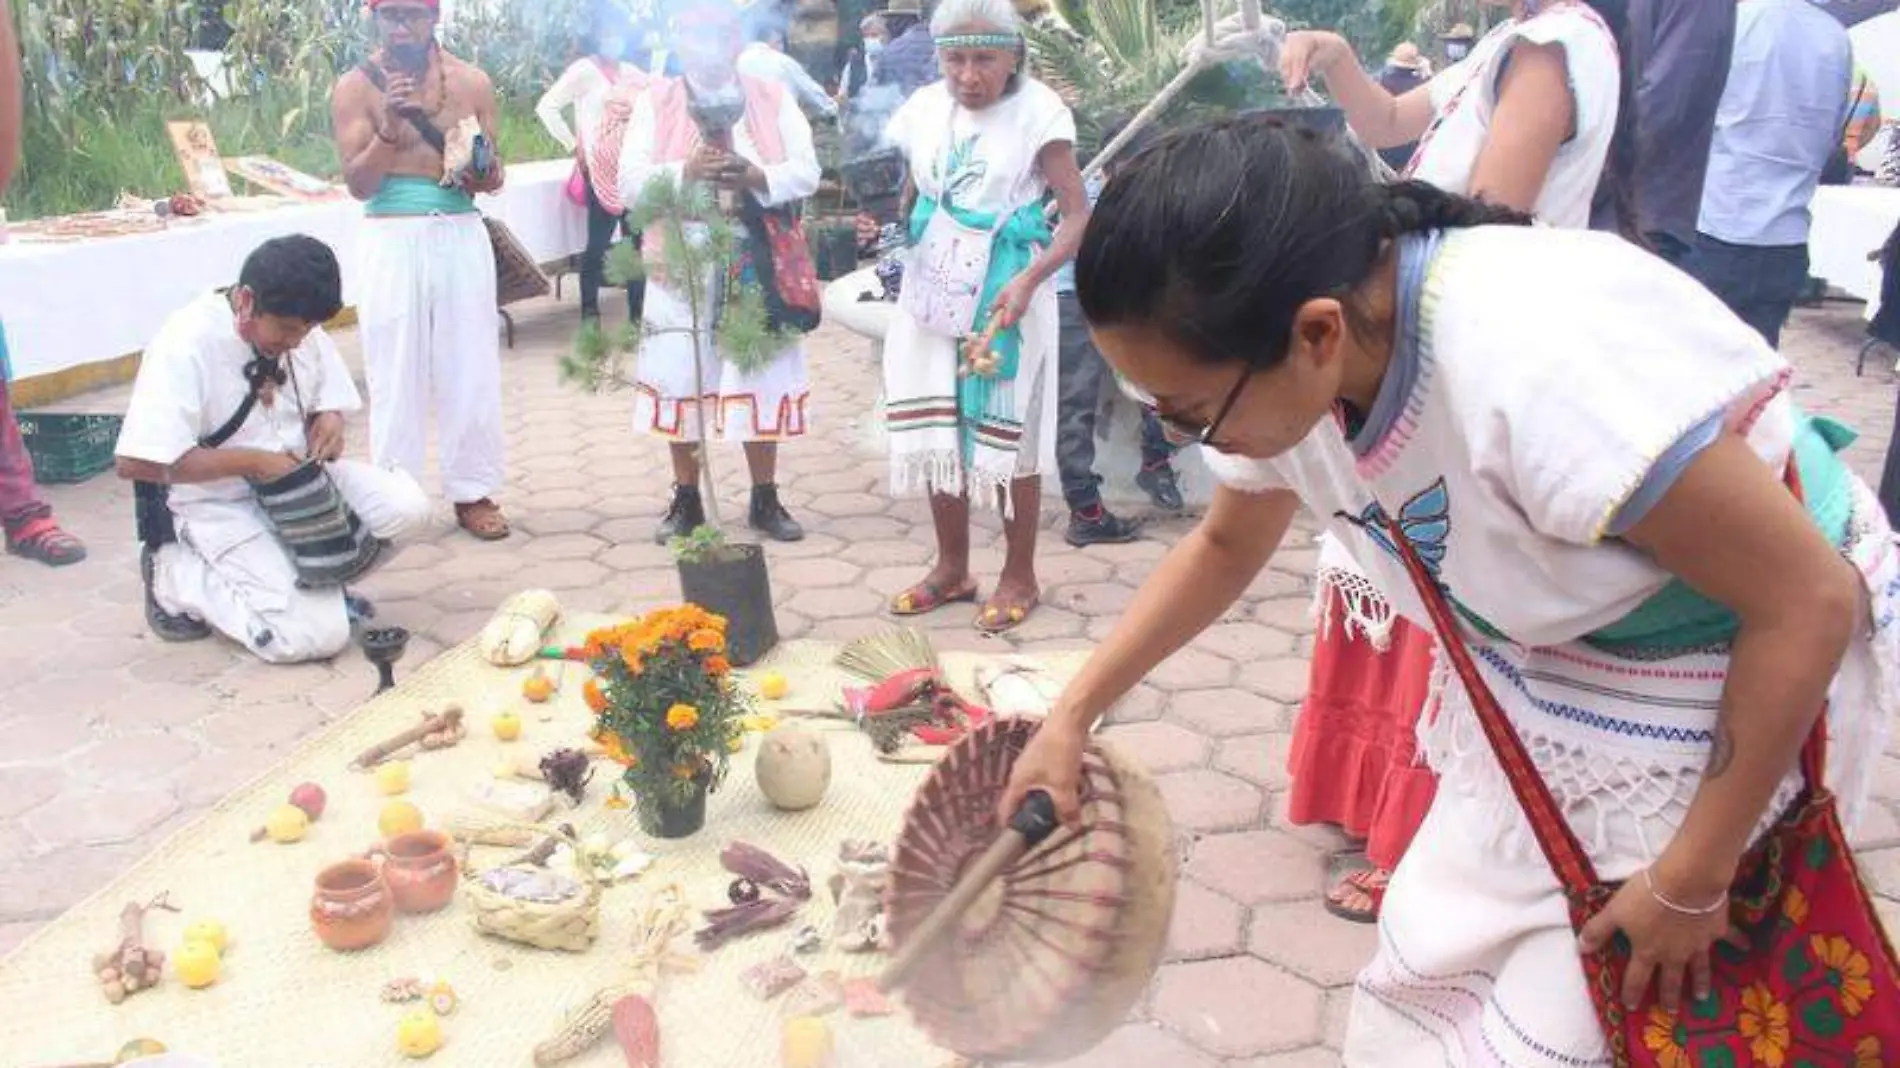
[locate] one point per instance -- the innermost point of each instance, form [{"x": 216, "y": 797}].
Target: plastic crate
[{"x": 67, "y": 447}]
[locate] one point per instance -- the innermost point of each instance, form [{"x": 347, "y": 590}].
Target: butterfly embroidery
[{"x": 1424, "y": 519}]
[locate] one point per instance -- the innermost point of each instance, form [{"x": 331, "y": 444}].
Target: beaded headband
[{"x": 1007, "y": 41}]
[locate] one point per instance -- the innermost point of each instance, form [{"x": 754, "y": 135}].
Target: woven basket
[{"x": 570, "y": 926}]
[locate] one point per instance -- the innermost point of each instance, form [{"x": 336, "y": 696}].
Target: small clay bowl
[
  {"x": 421, "y": 871},
  {"x": 352, "y": 907}
]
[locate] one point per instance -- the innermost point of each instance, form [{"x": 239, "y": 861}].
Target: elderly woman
[
  {"x": 770, "y": 165},
  {"x": 970, "y": 358},
  {"x": 1592, "y": 481}
]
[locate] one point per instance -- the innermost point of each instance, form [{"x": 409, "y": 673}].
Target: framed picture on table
[
  {"x": 198, "y": 155},
  {"x": 267, "y": 173}
]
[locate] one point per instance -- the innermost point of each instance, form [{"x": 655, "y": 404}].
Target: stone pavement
[{"x": 114, "y": 740}]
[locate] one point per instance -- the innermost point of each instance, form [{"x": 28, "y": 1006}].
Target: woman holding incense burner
[
  {"x": 1590, "y": 459},
  {"x": 970, "y": 358}
]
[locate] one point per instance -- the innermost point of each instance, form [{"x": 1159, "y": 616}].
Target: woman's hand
[
  {"x": 867, "y": 228},
  {"x": 1310, "y": 52},
  {"x": 619, "y": 107},
  {"x": 704, "y": 164},
  {"x": 1012, "y": 302},
  {"x": 326, "y": 436},
  {"x": 1665, "y": 945},
  {"x": 1052, "y": 763}
]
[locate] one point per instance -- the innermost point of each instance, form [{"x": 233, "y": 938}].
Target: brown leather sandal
[{"x": 483, "y": 519}]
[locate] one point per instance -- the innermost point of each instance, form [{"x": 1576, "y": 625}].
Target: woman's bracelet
[{"x": 1678, "y": 908}]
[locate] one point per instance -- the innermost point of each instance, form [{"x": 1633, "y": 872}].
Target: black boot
[
  {"x": 686, "y": 514},
  {"x": 167, "y": 626},
  {"x": 1099, "y": 526},
  {"x": 1162, "y": 487},
  {"x": 770, "y": 518}
]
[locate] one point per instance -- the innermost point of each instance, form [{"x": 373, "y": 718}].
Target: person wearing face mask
[
  {"x": 242, "y": 387},
  {"x": 589, "y": 86},
  {"x": 860, "y": 67},
  {"x": 766, "y": 166},
  {"x": 427, "y": 263}
]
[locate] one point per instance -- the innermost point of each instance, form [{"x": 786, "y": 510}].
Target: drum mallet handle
[{"x": 1033, "y": 823}]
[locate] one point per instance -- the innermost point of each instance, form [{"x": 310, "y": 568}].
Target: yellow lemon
[
  {"x": 197, "y": 964},
  {"x": 773, "y": 687},
  {"x": 399, "y": 817},
  {"x": 393, "y": 778},
  {"x": 139, "y": 1047},
  {"x": 210, "y": 931},
  {"x": 418, "y": 1035},
  {"x": 507, "y": 726},
  {"x": 286, "y": 823}
]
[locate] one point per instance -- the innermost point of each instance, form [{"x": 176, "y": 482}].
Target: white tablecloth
[
  {"x": 66, "y": 305},
  {"x": 1850, "y": 222}
]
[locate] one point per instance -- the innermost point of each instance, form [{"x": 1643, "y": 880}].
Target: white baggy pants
[
  {"x": 428, "y": 320},
  {"x": 228, "y": 569}
]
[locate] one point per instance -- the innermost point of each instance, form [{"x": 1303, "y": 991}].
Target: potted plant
[
  {"x": 667, "y": 710},
  {"x": 726, "y": 578},
  {"x": 729, "y": 580}
]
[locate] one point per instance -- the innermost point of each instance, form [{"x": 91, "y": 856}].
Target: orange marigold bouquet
[{"x": 665, "y": 705}]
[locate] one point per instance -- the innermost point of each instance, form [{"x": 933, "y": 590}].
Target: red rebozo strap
[{"x": 1559, "y": 843}]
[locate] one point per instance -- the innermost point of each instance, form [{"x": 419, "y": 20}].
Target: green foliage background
[{"x": 103, "y": 77}]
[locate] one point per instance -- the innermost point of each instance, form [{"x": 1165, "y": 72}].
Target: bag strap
[
  {"x": 431, "y": 134},
  {"x": 1559, "y": 843}
]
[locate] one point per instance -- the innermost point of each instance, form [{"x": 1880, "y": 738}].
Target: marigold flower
[
  {"x": 718, "y": 665},
  {"x": 595, "y": 697},
  {"x": 682, "y": 718},
  {"x": 705, "y": 641}
]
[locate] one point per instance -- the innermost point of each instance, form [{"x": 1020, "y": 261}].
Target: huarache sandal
[
  {"x": 1357, "y": 897},
  {"x": 42, "y": 539},
  {"x": 997, "y": 617},
  {"x": 926, "y": 597},
  {"x": 483, "y": 519}
]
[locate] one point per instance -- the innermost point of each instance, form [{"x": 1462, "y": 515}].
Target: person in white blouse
[
  {"x": 764, "y": 57},
  {"x": 585, "y": 87}
]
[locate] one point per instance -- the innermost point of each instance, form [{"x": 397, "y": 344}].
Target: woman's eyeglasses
[{"x": 1183, "y": 430}]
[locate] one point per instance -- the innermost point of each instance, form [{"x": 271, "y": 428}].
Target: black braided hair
[{"x": 1217, "y": 234}]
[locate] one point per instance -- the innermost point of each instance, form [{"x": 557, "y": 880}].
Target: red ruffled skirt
[{"x": 1354, "y": 759}]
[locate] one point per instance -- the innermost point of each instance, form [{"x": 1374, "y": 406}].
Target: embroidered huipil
[{"x": 1525, "y": 423}]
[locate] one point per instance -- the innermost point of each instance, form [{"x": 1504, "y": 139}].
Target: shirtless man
[{"x": 427, "y": 269}]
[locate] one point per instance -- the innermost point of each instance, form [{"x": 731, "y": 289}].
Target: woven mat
[{"x": 286, "y": 1000}]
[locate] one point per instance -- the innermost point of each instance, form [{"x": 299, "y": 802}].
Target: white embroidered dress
[
  {"x": 1554, "y": 368},
  {"x": 1465, "y": 96}
]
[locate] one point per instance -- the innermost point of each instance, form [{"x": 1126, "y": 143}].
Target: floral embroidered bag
[{"x": 1818, "y": 987}]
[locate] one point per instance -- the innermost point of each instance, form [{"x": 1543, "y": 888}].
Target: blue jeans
[
  {"x": 1082, "y": 375},
  {"x": 1759, "y": 283}
]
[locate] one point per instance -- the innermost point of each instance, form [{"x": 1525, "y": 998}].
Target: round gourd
[{"x": 794, "y": 768}]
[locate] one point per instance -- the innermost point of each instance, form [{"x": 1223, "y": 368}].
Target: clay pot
[
  {"x": 420, "y": 868},
  {"x": 352, "y": 908}
]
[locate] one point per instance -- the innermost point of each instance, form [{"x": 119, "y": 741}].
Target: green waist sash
[
  {"x": 1677, "y": 617},
  {"x": 408, "y": 194}
]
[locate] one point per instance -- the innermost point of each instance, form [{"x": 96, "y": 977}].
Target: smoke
[{"x": 868, "y": 116}]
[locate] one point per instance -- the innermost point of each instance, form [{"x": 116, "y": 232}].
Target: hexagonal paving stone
[
  {"x": 1329, "y": 951},
  {"x": 46, "y": 737},
  {"x": 1093, "y": 598},
  {"x": 1258, "y": 758},
  {"x": 815, "y": 573},
  {"x": 1878, "y": 828},
  {"x": 1205, "y": 924},
  {"x": 133, "y": 759},
  {"x": 1139, "y": 705},
  {"x": 1291, "y": 615},
  {"x": 1161, "y": 747},
  {"x": 1882, "y": 869},
  {"x": 1237, "y": 1006},
  {"x": 1141, "y": 1045},
  {"x": 1203, "y": 800},
  {"x": 100, "y": 817},
  {"x": 1224, "y": 712},
  {"x": 1283, "y": 679},
  {"x": 1255, "y": 867},
  {"x": 1244, "y": 643},
  {"x": 1191, "y": 669},
  {"x": 23, "y": 789},
  {"x": 841, "y": 505},
  {"x": 837, "y": 603}
]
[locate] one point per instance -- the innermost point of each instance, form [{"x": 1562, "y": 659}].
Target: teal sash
[
  {"x": 1012, "y": 249},
  {"x": 408, "y": 194}
]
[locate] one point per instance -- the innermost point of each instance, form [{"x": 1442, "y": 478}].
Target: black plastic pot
[
  {"x": 734, "y": 584},
  {"x": 834, "y": 250},
  {"x": 661, "y": 818}
]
